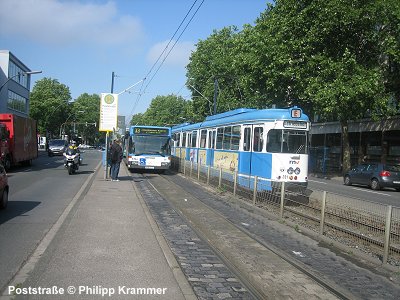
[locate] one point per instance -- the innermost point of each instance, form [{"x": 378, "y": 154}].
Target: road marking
[
  {"x": 317, "y": 181},
  {"x": 367, "y": 191}
]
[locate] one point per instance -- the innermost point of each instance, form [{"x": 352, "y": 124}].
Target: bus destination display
[{"x": 151, "y": 131}]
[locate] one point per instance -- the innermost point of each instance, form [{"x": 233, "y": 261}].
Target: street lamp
[
  {"x": 66, "y": 121},
  {"x": 19, "y": 74}
]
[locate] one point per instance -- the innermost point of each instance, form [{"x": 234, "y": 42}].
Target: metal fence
[{"x": 370, "y": 227}]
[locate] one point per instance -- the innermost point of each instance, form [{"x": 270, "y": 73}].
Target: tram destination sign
[
  {"x": 295, "y": 124},
  {"x": 151, "y": 131}
]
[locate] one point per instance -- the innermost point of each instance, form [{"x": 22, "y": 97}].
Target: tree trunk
[{"x": 345, "y": 147}]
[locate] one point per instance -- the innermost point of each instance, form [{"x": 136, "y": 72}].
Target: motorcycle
[{"x": 71, "y": 160}]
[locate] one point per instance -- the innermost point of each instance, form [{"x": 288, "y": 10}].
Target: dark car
[
  {"x": 57, "y": 147},
  {"x": 3, "y": 188},
  {"x": 375, "y": 175}
]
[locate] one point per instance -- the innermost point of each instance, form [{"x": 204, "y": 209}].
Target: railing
[{"x": 370, "y": 227}]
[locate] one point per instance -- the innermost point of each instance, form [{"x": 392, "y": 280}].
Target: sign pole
[{"x": 106, "y": 162}]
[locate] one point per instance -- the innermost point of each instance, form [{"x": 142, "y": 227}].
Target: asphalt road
[
  {"x": 335, "y": 185},
  {"x": 38, "y": 196}
]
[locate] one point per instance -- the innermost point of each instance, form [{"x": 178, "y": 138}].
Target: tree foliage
[
  {"x": 86, "y": 111},
  {"x": 49, "y": 105},
  {"x": 336, "y": 59},
  {"x": 163, "y": 111}
]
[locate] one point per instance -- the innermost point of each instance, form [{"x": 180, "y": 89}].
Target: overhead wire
[{"x": 142, "y": 91}]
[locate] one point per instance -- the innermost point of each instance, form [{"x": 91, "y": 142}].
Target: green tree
[
  {"x": 49, "y": 105},
  {"x": 163, "y": 111},
  {"x": 137, "y": 119},
  {"x": 331, "y": 57},
  {"x": 211, "y": 66},
  {"x": 86, "y": 112}
]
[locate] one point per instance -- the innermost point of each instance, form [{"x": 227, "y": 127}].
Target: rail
[{"x": 372, "y": 228}]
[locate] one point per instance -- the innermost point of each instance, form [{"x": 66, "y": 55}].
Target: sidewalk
[{"x": 108, "y": 245}]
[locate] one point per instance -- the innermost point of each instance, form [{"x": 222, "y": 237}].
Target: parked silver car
[{"x": 374, "y": 175}]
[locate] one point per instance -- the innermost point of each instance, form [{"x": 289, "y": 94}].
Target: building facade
[
  {"x": 14, "y": 85},
  {"x": 370, "y": 141}
]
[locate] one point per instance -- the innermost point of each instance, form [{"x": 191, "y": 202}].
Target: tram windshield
[
  {"x": 287, "y": 141},
  {"x": 149, "y": 144}
]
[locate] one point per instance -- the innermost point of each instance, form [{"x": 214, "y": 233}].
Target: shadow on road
[{"x": 16, "y": 208}]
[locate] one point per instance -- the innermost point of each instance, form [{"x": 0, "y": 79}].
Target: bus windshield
[
  {"x": 149, "y": 144},
  {"x": 287, "y": 141}
]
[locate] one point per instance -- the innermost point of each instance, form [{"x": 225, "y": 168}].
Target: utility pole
[
  {"x": 215, "y": 95},
  {"x": 112, "y": 82}
]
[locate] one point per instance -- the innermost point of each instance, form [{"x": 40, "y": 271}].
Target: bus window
[
  {"x": 226, "y": 144},
  {"x": 220, "y": 136},
  {"x": 235, "y": 140},
  {"x": 246, "y": 139},
  {"x": 203, "y": 138},
  {"x": 258, "y": 139}
]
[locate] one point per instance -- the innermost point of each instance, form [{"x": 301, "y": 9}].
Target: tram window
[
  {"x": 211, "y": 139},
  {"x": 184, "y": 139},
  {"x": 247, "y": 139},
  {"x": 203, "y": 138},
  {"x": 287, "y": 141},
  {"x": 258, "y": 139},
  {"x": 235, "y": 140},
  {"x": 274, "y": 141},
  {"x": 194, "y": 138},
  {"x": 220, "y": 136},
  {"x": 227, "y": 138}
]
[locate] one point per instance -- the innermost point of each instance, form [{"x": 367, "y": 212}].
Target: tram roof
[{"x": 244, "y": 115}]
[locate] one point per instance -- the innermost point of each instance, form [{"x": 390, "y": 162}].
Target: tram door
[
  {"x": 210, "y": 145},
  {"x": 245, "y": 157}
]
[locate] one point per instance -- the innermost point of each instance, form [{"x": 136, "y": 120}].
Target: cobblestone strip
[
  {"x": 361, "y": 282},
  {"x": 270, "y": 276},
  {"x": 209, "y": 277}
]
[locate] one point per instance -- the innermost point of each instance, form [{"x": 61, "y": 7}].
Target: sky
[{"x": 81, "y": 42}]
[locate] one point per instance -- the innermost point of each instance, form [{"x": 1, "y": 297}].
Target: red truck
[{"x": 18, "y": 143}]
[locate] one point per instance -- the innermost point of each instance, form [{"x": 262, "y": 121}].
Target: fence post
[
  {"x": 208, "y": 174},
  {"x": 234, "y": 183},
  {"x": 184, "y": 166},
  {"x": 255, "y": 190},
  {"x": 282, "y": 198},
  {"x": 387, "y": 234},
  {"x": 220, "y": 177},
  {"x": 322, "y": 224}
]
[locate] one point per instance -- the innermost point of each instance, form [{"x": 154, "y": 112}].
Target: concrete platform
[{"x": 105, "y": 244}]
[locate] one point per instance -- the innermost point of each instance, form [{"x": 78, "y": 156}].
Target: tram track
[{"x": 265, "y": 270}]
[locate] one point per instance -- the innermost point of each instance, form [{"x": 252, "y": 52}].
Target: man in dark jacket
[{"x": 116, "y": 158}]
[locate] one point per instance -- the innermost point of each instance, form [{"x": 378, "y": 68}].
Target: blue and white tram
[
  {"x": 271, "y": 144},
  {"x": 148, "y": 147}
]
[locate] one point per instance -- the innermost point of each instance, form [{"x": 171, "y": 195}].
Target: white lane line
[
  {"x": 317, "y": 181},
  {"x": 374, "y": 192}
]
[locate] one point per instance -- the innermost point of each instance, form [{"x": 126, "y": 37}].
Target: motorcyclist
[{"x": 72, "y": 148}]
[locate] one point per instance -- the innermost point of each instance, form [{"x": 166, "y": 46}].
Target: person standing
[{"x": 116, "y": 158}]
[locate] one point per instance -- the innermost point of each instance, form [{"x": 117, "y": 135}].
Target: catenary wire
[{"x": 142, "y": 91}]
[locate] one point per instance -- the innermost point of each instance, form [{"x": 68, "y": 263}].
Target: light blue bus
[
  {"x": 271, "y": 144},
  {"x": 148, "y": 148}
]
